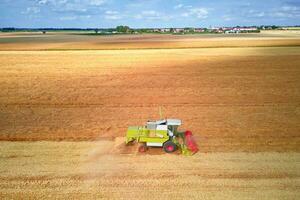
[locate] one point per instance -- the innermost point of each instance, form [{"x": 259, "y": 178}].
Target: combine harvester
[{"x": 162, "y": 133}]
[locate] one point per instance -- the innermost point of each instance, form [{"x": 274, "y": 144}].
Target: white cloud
[
  {"x": 138, "y": 16},
  {"x": 110, "y": 12},
  {"x": 260, "y": 14},
  {"x": 283, "y": 12},
  {"x": 178, "y": 6},
  {"x": 71, "y": 18},
  {"x": 31, "y": 10},
  {"x": 280, "y": 14},
  {"x": 147, "y": 14},
  {"x": 287, "y": 12},
  {"x": 152, "y": 15},
  {"x": 255, "y": 13},
  {"x": 85, "y": 17},
  {"x": 97, "y": 2},
  {"x": 71, "y": 7},
  {"x": 188, "y": 6},
  {"x": 182, "y": 6},
  {"x": 42, "y": 2},
  {"x": 82, "y": 2},
  {"x": 150, "y": 12},
  {"x": 66, "y": 18},
  {"x": 113, "y": 15},
  {"x": 200, "y": 13},
  {"x": 54, "y": 2},
  {"x": 185, "y": 14},
  {"x": 290, "y": 8},
  {"x": 227, "y": 18}
]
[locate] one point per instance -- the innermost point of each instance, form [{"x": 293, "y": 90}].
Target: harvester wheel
[
  {"x": 143, "y": 148},
  {"x": 169, "y": 147}
]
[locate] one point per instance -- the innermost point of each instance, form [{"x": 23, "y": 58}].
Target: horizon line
[{"x": 7, "y": 27}]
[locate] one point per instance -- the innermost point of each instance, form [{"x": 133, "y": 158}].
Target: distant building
[
  {"x": 231, "y": 32},
  {"x": 178, "y": 30},
  {"x": 199, "y": 30},
  {"x": 165, "y": 30},
  {"x": 248, "y": 29},
  {"x": 216, "y": 30},
  {"x": 237, "y": 30}
]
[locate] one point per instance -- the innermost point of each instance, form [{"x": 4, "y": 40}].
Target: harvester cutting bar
[{"x": 190, "y": 142}]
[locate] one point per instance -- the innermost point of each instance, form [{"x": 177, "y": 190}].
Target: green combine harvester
[{"x": 162, "y": 133}]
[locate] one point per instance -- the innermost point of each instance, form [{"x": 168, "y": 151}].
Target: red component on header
[{"x": 190, "y": 142}]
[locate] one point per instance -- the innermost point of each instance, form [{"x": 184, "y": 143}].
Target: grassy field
[{"x": 238, "y": 94}]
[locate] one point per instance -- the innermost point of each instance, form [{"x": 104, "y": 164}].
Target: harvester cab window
[
  {"x": 170, "y": 128},
  {"x": 151, "y": 126}
]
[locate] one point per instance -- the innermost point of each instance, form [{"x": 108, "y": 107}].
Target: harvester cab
[{"x": 162, "y": 133}]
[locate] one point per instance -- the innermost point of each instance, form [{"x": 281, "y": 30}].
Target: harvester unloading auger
[{"x": 162, "y": 133}]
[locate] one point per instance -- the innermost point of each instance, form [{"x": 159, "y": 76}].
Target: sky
[{"x": 147, "y": 13}]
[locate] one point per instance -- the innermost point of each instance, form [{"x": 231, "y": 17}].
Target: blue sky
[{"x": 147, "y": 13}]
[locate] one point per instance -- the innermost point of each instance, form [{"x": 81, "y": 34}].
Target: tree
[
  {"x": 189, "y": 29},
  {"x": 123, "y": 29}
]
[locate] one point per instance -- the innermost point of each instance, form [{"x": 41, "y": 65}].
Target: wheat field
[
  {"x": 66, "y": 101},
  {"x": 98, "y": 170}
]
